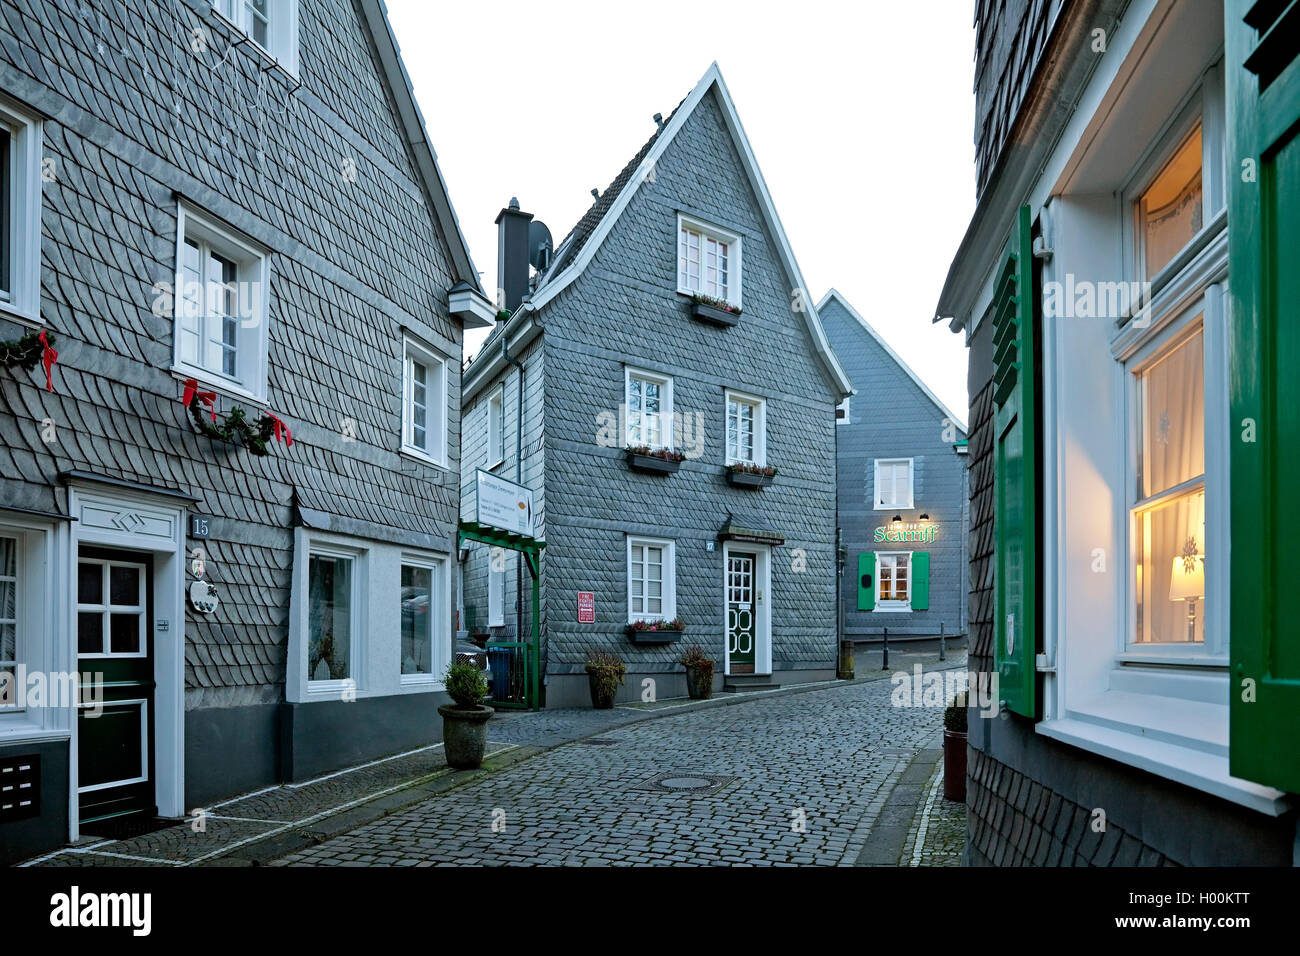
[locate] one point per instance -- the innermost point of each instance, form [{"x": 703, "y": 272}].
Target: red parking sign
[{"x": 586, "y": 607}]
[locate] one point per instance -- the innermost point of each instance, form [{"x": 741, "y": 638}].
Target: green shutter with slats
[
  {"x": 866, "y": 581},
  {"x": 920, "y": 580},
  {"x": 1015, "y": 518},
  {"x": 1263, "y": 101}
]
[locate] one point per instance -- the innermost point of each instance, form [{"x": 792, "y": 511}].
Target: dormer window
[{"x": 708, "y": 261}]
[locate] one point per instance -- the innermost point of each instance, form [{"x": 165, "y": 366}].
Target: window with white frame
[
  {"x": 424, "y": 618},
  {"x": 842, "y": 412},
  {"x": 424, "y": 421},
  {"x": 20, "y": 211},
  {"x": 893, "y": 580},
  {"x": 111, "y": 608},
  {"x": 496, "y": 587},
  {"x": 496, "y": 427},
  {"x": 222, "y": 282},
  {"x": 271, "y": 24},
  {"x": 10, "y": 652},
  {"x": 333, "y": 620},
  {"x": 746, "y": 429},
  {"x": 893, "y": 482},
  {"x": 649, "y": 410},
  {"x": 708, "y": 261},
  {"x": 1169, "y": 210},
  {"x": 651, "y": 580}
]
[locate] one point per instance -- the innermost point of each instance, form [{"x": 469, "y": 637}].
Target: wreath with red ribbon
[
  {"x": 235, "y": 426},
  {"x": 32, "y": 349}
]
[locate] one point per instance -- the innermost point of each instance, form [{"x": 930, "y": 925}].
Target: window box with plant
[
  {"x": 464, "y": 721},
  {"x": 699, "y": 672},
  {"x": 605, "y": 673},
  {"x": 705, "y": 308},
  {"x": 749, "y": 475},
  {"x": 655, "y": 461},
  {"x": 656, "y": 632}
]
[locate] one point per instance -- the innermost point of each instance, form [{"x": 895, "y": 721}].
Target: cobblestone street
[{"x": 795, "y": 779}]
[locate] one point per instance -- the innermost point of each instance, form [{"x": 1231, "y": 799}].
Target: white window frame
[
  {"x": 440, "y": 624},
  {"x": 254, "y": 274},
  {"x": 706, "y": 231},
  {"x": 496, "y": 590},
  {"x": 879, "y": 503},
  {"x": 282, "y": 28},
  {"x": 437, "y": 404},
  {"x": 20, "y": 607},
  {"x": 843, "y": 419},
  {"x": 892, "y": 605},
  {"x": 669, "y": 589},
  {"x": 357, "y": 624},
  {"x": 107, "y": 609},
  {"x": 666, "y": 429},
  {"x": 22, "y": 301},
  {"x": 759, "y": 405},
  {"x": 496, "y": 430}
]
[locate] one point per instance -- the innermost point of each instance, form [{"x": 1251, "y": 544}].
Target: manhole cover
[{"x": 678, "y": 781}]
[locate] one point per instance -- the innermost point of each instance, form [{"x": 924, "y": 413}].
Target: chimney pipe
[{"x": 512, "y": 256}]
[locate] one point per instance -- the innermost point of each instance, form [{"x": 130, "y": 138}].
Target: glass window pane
[
  {"x": 90, "y": 583},
  {"x": 329, "y": 613},
  {"x": 417, "y": 620},
  {"x": 1169, "y": 212},
  {"x": 9, "y": 642},
  {"x": 90, "y": 632},
  {"x": 1172, "y": 396},
  {"x": 1170, "y": 568},
  {"x": 6, "y": 165},
  {"x": 124, "y": 633},
  {"x": 124, "y": 586}
]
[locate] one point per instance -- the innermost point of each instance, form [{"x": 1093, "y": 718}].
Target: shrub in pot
[
  {"x": 954, "y": 751},
  {"x": 699, "y": 672},
  {"x": 605, "y": 672},
  {"x": 464, "y": 720}
]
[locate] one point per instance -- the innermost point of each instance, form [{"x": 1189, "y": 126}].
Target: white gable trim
[
  {"x": 712, "y": 77},
  {"x": 839, "y": 297}
]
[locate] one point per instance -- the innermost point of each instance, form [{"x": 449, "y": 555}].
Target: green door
[
  {"x": 740, "y": 612},
  {"x": 115, "y": 653}
]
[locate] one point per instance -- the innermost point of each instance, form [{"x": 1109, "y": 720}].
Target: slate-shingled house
[
  {"x": 609, "y": 351},
  {"x": 241, "y": 196},
  {"x": 1127, "y": 290}
]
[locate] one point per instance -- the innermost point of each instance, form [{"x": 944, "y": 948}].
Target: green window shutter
[
  {"x": 1015, "y": 512},
  {"x": 866, "y": 581},
  {"x": 1263, "y": 102},
  {"x": 920, "y": 580}
]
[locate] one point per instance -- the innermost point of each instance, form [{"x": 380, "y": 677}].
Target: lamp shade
[{"x": 1187, "y": 585}]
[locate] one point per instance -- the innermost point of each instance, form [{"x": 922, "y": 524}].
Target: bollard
[
  {"x": 885, "y": 664},
  {"x": 846, "y": 661},
  {"x": 943, "y": 650}
]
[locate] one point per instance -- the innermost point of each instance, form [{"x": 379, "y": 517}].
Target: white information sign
[{"x": 503, "y": 504}]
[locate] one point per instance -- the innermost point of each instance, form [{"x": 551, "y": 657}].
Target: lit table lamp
[{"x": 1188, "y": 586}]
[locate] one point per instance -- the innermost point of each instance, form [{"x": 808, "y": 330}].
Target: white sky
[{"x": 861, "y": 121}]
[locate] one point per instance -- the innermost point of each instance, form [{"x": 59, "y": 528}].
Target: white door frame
[
  {"x": 139, "y": 521},
  {"x": 762, "y": 605}
]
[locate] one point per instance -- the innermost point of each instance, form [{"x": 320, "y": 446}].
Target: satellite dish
[{"x": 539, "y": 245}]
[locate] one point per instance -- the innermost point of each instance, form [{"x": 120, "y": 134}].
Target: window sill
[
  {"x": 286, "y": 64},
  {"x": 496, "y": 464},
  {"x": 893, "y": 609},
  {"x": 22, "y": 316},
  {"x": 223, "y": 387},
  {"x": 895, "y": 508},
  {"x": 410, "y": 451},
  {"x": 421, "y": 682},
  {"x": 1182, "y": 740},
  {"x": 691, "y": 293}
]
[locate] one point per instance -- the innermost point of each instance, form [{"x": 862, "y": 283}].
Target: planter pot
[
  {"x": 661, "y": 636},
  {"x": 954, "y": 766},
  {"x": 603, "y": 691},
  {"x": 745, "y": 479},
  {"x": 651, "y": 464},
  {"x": 703, "y": 312},
  {"x": 464, "y": 734},
  {"x": 699, "y": 682}
]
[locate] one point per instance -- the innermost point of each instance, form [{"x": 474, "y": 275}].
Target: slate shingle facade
[{"x": 148, "y": 102}]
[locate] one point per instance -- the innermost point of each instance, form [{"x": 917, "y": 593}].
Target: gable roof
[
  {"x": 375, "y": 16},
  {"x": 925, "y": 389},
  {"x": 584, "y": 239}
]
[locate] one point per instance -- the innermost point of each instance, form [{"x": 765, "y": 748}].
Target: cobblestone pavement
[
  {"x": 937, "y": 835},
  {"x": 794, "y": 779}
]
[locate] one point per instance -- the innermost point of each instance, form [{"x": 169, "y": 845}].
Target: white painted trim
[
  {"x": 282, "y": 43},
  {"x": 916, "y": 379},
  {"x": 358, "y": 619},
  {"x": 763, "y": 604},
  {"x": 436, "y": 402},
  {"x": 735, "y": 256},
  {"x": 877, "y": 505},
  {"x": 760, "y": 425},
  {"x": 669, "y": 584},
  {"x": 23, "y": 304},
  {"x": 712, "y": 78},
  {"x": 472, "y": 308},
  {"x": 496, "y": 448},
  {"x": 441, "y": 636},
  {"x": 880, "y": 606},
  {"x": 496, "y": 589},
  {"x": 665, "y": 383}
]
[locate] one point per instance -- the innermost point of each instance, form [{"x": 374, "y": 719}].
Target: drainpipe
[{"x": 519, "y": 477}]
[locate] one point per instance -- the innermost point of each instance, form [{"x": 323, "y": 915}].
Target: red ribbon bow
[
  {"x": 192, "y": 392},
  {"x": 48, "y": 357},
  {"x": 280, "y": 430}
]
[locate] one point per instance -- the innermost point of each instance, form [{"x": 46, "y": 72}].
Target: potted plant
[
  {"x": 749, "y": 475},
  {"x": 605, "y": 672},
  {"x": 705, "y": 308},
  {"x": 954, "y": 752},
  {"x": 655, "y": 461},
  {"x": 699, "y": 672},
  {"x": 464, "y": 721},
  {"x": 656, "y": 632}
]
